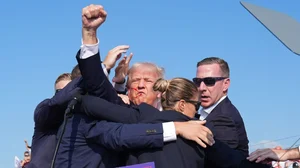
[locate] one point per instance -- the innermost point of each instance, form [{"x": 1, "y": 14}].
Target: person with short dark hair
[
  {"x": 48, "y": 116},
  {"x": 213, "y": 81}
]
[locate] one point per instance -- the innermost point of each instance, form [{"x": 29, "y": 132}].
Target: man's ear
[{"x": 226, "y": 84}]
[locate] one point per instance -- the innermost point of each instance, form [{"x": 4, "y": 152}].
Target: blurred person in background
[
  {"x": 26, "y": 160},
  {"x": 28, "y": 148}
]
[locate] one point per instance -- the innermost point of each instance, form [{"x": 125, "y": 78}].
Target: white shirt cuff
[
  {"x": 120, "y": 87},
  {"x": 88, "y": 50},
  {"x": 169, "y": 131},
  {"x": 104, "y": 69}
]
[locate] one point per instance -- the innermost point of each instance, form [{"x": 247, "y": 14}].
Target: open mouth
[{"x": 204, "y": 98}]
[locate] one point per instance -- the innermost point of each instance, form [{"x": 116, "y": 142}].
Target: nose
[
  {"x": 202, "y": 87},
  {"x": 141, "y": 84}
]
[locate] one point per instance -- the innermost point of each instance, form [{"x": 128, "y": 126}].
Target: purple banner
[{"x": 143, "y": 165}]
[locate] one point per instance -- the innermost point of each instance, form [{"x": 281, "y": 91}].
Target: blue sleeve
[
  {"x": 120, "y": 137},
  {"x": 49, "y": 110}
]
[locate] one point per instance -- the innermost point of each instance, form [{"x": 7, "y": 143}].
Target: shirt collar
[{"x": 210, "y": 109}]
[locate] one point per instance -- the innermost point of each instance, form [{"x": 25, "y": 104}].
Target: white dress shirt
[
  {"x": 204, "y": 112},
  {"x": 87, "y": 51}
]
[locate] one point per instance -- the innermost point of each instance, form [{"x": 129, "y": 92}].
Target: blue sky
[{"x": 39, "y": 41}]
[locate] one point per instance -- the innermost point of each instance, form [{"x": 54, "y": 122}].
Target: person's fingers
[{"x": 129, "y": 58}]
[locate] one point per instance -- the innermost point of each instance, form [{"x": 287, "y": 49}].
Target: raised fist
[{"x": 93, "y": 16}]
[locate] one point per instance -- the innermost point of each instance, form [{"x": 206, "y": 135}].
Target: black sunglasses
[
  {"x": 208, "y": 81},
  {"x": 195, "y": 103}
]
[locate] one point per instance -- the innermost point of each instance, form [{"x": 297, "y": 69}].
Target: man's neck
[{"x": 210, "y": 108}]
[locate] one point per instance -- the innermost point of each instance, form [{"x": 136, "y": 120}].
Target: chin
[
  {"x": 138, "y": 101},
  {"x": 205, "y": 104}
]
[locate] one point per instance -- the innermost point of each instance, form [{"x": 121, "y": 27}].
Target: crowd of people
[{"x": 139, "y": 116}]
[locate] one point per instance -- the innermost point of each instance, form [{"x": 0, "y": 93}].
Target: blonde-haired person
[
  {"x": 141, "y": 77},
  {"x": 178, "y": 94},
  {"x": 61, "y": 81}
]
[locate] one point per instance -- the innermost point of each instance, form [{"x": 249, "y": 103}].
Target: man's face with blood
[{"x": 140, "y": 86}]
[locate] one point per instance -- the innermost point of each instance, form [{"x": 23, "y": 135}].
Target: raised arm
[
  {"x": 96, "y": 82},
  {"x": 121, "y": 72},
  {"x": 28, "y": 148}
]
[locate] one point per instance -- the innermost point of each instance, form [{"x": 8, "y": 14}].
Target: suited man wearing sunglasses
[{"x": 220, "y": 114}]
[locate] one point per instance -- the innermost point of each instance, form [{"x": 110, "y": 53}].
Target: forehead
[
  {"x": 210, "y": 70},
  {"x": 144, "y": 73},
  {"x": 61, "y": 84}
]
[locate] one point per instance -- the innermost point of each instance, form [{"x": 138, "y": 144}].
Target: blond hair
[
  {"x": 174, "y": 90},
  {"x": 153, "y": 67},
  {"x": 64, "y": 76}
]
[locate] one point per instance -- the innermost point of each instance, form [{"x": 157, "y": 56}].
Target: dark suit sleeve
[
  {"x": 247, "y": 164},
  {"x": 120, "y": 137},
  {"x": 46, "y": 111},
  {"x": 102, "y": 109},
  {"x": 95, "y": 81},
  {"x": 224, "y": 129},
  {"x": 225, "y": 157}
]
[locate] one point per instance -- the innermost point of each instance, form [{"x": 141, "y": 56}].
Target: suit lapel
[{"x": 213, "y": 113}]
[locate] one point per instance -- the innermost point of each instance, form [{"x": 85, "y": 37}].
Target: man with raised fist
[{"x": 88, "y": 142}]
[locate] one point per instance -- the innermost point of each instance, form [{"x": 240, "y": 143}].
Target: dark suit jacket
[
  {"x": 88, "y": 142},
  {"x": 48, "y": 116},
  {"x": 95, "y": 81},
  {"x": 228, "y": 127},
  {"x": 99, "y": 85},
  {"x": 220, "y": 153},
  {"x": 96, "y": 144},
  {"x": 181, "y": 153}
]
